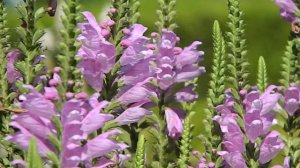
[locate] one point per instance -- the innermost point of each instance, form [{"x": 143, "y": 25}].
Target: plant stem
[
  {"x": 4, "y": 47},
  {"x": 69, "y": 45},
  {"x": 162, "y": 139}
]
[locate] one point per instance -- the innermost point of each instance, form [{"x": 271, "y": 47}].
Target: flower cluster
[
  {"x": 96, "y": 53},
  {"x": 149, "y": 68},
  {"x": 79, "y": 117},
  {"x": 121, "y": 98},
  {"x": 257, "y": 121},
  {"x": 161, "y": 66}
]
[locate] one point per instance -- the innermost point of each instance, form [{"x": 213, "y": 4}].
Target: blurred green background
[{"x": 266, "y": 32}]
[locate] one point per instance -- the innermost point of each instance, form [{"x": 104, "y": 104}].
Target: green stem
[
  {"x": 290, "y": 128},
  {"x": 69, "y": 45},
  {"x": 215, "y": 95},
  {"x": 185, "y": 144},
  {"x": 139, "y": 157},
  {"x": 31, "y": 47},
  {"x": 166, "y": 15},
  {"x": 162, "y": 139},
  {"x": 237, "y": 63},
  {"x": 4, "y": 47},
  {"x": 295, "y": 61}
]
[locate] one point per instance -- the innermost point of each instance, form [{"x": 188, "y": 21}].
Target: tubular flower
[
  {"x": 151, "y": 68},
  {"x": 96, "y": 53},
  {"x": 35, "y": 122},
  {"x": 162, "y": 61},
  {"x": 136, "y": 58},
  {"x": 11, "y": 73},
  {"x": 288, "y": 9},
  {"x": 79, "y": 118},
  {"x": 174, "y": 118},
  {"x": 270, "y": 147},
  {"x": 258, "y": 118},
  {"x": 260, "y": 112},
  {"x": 172, "y": 67},
  {"x": 292, "y": 100}
]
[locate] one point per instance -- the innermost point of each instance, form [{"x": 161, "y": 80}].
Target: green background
[{"x": 266, "y": 33}]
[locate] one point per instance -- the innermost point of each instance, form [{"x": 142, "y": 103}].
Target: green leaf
[
  {"x": 296, "y": 155},
  {"x": 20, "y": 86},
  {"x": 37, "y": 35},
  {"x": 185, "y": 144},
  {"x": 56, "y": 121},
  {"x": 288, "y": 65},
  {"x": 3, "y": 152},
  {"x": 39, "y": 13},
  {"x": 166, "y": 14},
  {"x": 55, "y": 160},
  {"x": 22, "y": 10},
  {"x": 21, "y": 31},
  {"x": 262, "y": 77},
  {"x": 11, "y": 96},
  {"x": 238, "y": 72},
  {"x": 55, "y": 141},
  {"x": 33, "y": 159}
]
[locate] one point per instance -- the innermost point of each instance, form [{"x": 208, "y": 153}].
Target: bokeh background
[{"x": 266, "y": 33}]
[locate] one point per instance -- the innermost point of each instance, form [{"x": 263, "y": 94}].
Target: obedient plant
[
  {"x": 120, "y": 96},
  {"x": 248, "y": 138},
  {"x": 63, "y": 136},
  {"x": 237, "y": 61},
  {"x": 30, "y": 63},
  {"x": 5, "y": 100},
  {"x": 215, "y": 97},
  {"x": 68, "y": 46},
  {"x": 290, "y": 78}
]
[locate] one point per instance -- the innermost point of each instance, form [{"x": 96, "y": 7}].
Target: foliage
[
  {"x": 119, "y": 96},
  {"x": 262, "y": 77},
  {"x": 237, "y": 62}
]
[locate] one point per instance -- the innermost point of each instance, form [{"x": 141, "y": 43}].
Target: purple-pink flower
[
  {"x": 288, "y": 9},
  {"x": 174, "y": 118},
  {"x": 259, "y": 115},
  {"x": 151, "y": 68},
  {"x": 11, "y": 72},
  {"x": 260, "y": 111},
  {"x": 96, "y": 53},
  {"x": 36, "y": 121},
  {"x": 79, "y": 118},
  {"x": 132, "y": 115},
  {"x": 233, "y": 159},
  {"x": 292, "y": 99},
  {"x": 172, "y": 67},
  {"x": 270, "y": 147}
]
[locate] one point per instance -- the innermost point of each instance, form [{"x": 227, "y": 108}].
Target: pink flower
[
  {"x": 174, "y": 118},
  {"x": 270, "y": 147}
]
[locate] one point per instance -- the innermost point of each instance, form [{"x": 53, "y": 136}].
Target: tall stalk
[
  {"x": 68, "y": 46},
  {"x": 30, "y": 46}
]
